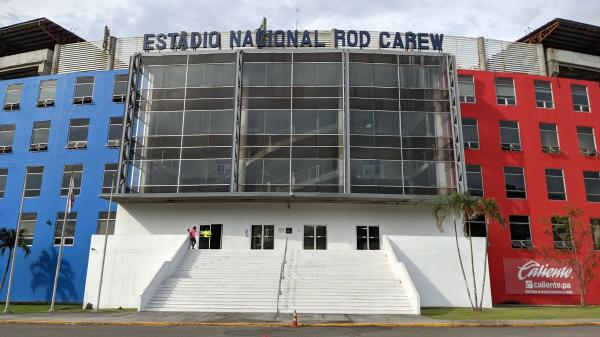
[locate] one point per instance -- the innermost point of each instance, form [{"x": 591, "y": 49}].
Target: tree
[
  {"x": 572, "y": 246},
  {"x": 463, "y": 207},
  {"x": 7, "y": 241}
]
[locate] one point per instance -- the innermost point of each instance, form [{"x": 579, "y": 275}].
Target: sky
[{"x": 503, "y": 20}]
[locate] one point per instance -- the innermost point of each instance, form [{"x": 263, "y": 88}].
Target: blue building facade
[{"x": 34, "y": 273}]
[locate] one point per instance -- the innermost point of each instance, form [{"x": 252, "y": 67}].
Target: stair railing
[{"x": 281, "y": 270}]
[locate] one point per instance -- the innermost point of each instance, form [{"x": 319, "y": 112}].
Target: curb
[{"x": 314, "y": 325}]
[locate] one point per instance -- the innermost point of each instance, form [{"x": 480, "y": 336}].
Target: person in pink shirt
[{"x": 192, "y": 235}]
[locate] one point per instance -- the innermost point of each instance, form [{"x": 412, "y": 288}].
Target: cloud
[{"x": 505, "y": 20}]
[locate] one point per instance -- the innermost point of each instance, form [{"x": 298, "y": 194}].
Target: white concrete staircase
[
  {"x": 351, "y": 282},
  {"x": 221, "y": 281}
]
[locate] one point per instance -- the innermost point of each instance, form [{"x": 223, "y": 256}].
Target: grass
[
  {"x": 513, "y": 313},
  {"x": 59, "y": 308}
]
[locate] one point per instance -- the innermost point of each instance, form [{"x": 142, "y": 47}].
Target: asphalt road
[{"x": 23, "y": 330}]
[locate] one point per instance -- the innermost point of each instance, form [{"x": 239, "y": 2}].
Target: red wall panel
[{"x": 537, "y": 205}]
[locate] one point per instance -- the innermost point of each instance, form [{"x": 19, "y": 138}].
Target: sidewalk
[{"x": 265, "y": 319}]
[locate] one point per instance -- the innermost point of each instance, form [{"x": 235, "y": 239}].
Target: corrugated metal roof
[{"x": 34, "y": 35}]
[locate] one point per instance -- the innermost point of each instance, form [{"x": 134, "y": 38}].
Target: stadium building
[{"x": 309, "y": 161}]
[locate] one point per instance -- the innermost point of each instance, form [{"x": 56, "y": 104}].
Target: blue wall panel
[{"x": 34, "y": 273}]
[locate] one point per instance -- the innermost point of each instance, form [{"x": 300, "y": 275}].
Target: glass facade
[{"x": 279, "y": 121}]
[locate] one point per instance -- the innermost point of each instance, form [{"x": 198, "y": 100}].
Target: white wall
[
  {"x": 433, "y": 265},
  {"x": 238, "y": 218},
  {"x": 131, "y": 262},
  {"x": 148, "y": 234}
]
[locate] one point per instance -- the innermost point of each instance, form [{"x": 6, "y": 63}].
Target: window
[
  {"x": 587, "y": 144},
  {"x": 580, "y": 98},
  {"x": 515, "y": 182},
  {"x": 75, "y": 171},
  {"x": 505, "y": 91},
  {"x": 466, "y": 89},
  {"x": 520, "y": 232},
  {"x": 470, "y": 133},
  {"x": 78, "y": 134},
  {"x": 3, "y": 178},
  {"x": 561, "y": 233},
  {"x": 120, "y": 89},
  {"x": 33, "y": 186},
  {"x": 555, "y": 184},
  {"x": 12, "y": 99},
  {"x": 596, "y": 233},
  {"x": 69, "y": 229},
  {"x": 474, "y": 180},
  {"x": 102, "y": 219},
  {"x": 84, "y": 90},
  {"x": 315, "y": 237},
  {"x": 543, "y": 95},
  {"x": 549, "y": 137},
  {"x": 476, "y": 227},
  {"x": 115, "y": 128},
  {"x": 110, "y": 178},
  {"x": 262, "y": 237},
  {"x": 39, "y": 136},
  {"x": 592, "y": 185},
  {"x": 46, "y": 94},
  {"x": 367, "y": 237},
  {"x": 7, "y": 135},
  {"x": 27, "y": 223},
  {"x": 509, "y": 136}
]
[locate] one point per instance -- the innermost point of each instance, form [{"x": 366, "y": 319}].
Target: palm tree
[
  {"x": 454, "y": 204},
  {"x": 7, "y": 241},
  {"x": 490, "y": 209},
  {"x": 461, "y": 205}
]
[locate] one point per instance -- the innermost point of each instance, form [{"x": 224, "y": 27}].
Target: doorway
[
  {"x": 315, "y": 237},
  {"x": 262, "y": 237},
  {"x": 367, "y": 237},
  {"x": 212, "y": 239}
]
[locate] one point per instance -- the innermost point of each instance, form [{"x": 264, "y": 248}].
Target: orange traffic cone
[{"x": 295, "y": 319}]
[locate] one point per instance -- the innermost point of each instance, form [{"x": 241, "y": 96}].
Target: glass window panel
[
  {"x": 211, "y": 75},
  {"x": 102, "y": 222},
  {"x": 466, "y": 88},
  {"x": 266, "y": 121},
  {"x": 266, "y": 171},
  {"x": 13, "y": 93},
  {"x": 592, "y": 185},
  {"x": 585, "y": 136},
  {"x": 509, "y": 133},
  {"x": 317, "y": 74},
  {"x": 161, "y": 123},
  {"x": 47, "y": 90},
  {"x": 41, "y": 132},
  {"x": 172, "y": 76},
  {"x": 7, "y": 134},
  {"x": 555, "y": 184},
  {"x": 160, "y": 172},
  {"x": 549, "y": 135},
  {"x": 208, "y": 122},
  {"x": 84, "y": 86},
  {"x": 515, "y": 182},
  {"x": 426, "y": 124},
  {"x": 596, "y": 233},
  {"x": 266, "y": 74},
  {"x": 203, "y": 172},
  {"x": 115, "y": 128},
  {"x": 71, "y": 221},
  {"x": 475, "y": 180},
  {"x": 3, "y": 179}
]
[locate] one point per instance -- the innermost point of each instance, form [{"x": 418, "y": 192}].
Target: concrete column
[
  {"x": 112, "y": 50},
  {"x": 542, "y": 59},
  {"x": 55, "y": 59},
  {"x": 481, "y": 53}
]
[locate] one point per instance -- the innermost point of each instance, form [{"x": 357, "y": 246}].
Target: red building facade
[{"x": 569, "y": 159}]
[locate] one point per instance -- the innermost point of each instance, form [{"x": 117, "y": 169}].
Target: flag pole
[
  {"x": 16, "y": 246},
  {"x": 62, "y": 242},
  {"x": 112, "y": 186}
]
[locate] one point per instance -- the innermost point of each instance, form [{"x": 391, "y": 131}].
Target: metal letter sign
[{"x": 292, "y": 38}]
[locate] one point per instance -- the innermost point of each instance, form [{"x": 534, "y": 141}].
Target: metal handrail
[{"x": 281, "y": 270}]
